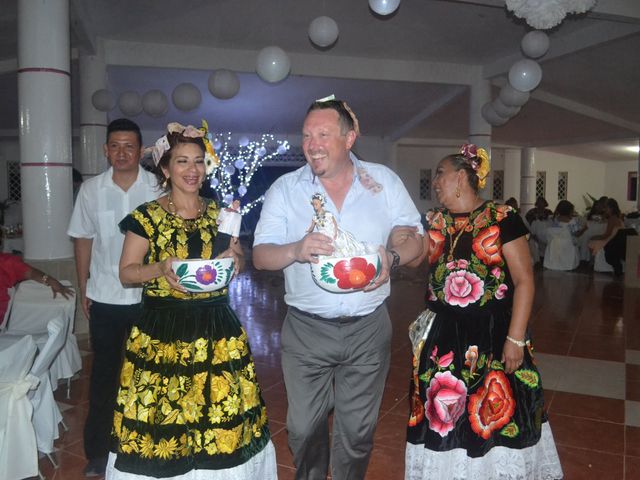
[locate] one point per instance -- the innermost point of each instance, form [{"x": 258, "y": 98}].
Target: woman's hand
[
  {"x": 238, "y": 258},
  {"x": 58, "y": 288},
  {"x": 512, "y": 356},
  {"x": 167, "y": 271}
]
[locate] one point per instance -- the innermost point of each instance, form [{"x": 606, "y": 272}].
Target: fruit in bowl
[
  {"x": 346, "y": 274},
  {"x": 199, "y": 276}
]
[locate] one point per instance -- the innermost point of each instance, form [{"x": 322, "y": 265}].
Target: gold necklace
[
  {"x": 189, "y": 223},
  {"x": 453, "y": 242}
]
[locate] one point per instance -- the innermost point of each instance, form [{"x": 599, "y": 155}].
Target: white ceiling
[{"x": 406, "y": 75}]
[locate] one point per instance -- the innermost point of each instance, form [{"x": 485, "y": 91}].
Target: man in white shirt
[
  {"x": 110, "y": 307},
  {"x": 335, "y": 347}
]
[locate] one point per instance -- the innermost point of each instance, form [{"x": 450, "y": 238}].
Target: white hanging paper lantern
[
  {"x": 155, "y": 103},
  {"x": 273, "y": 64},
  {"x": 102, "y": 100},
  {"x": 535, "y": 44},
  {"x": 186, "y": 97},
  {"x": 130, "y": 104},
  {"x": 490, "y": 115},
  {"x": 224, "y": 84},
  {"x": 323, "y": 31},
  {"x": 512, "y": 97},
  {"x": 243, "y": 141},
  {"x": 384, "y": 7},
  {"x": 525, "y": 75}
]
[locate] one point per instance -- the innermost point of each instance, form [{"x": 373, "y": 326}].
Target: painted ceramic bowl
[
  {"x": 346, "y": 274},
  {"x": 200, "y": 276}
]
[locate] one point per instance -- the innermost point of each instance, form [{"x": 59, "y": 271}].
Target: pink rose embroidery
[
  {"x": 463, "y": 263},
  {"x": 462, "y": 288},
  {"x": 496, "y": 272},
  {"x": 445, "y": 403},
  {"x": 442, "y": 362},
  {"x": 451, "y": 265},
  {"x": 500, "y": 292}
]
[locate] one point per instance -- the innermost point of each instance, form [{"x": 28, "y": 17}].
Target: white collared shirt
[
  {"x": 100, "y": 206},
  {"x": 366, "y": 213}
]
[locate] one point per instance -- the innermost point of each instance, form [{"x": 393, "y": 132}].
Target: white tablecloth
[
  {"x": 593, "y": 229},
  {"x": 32, "y": 309}
]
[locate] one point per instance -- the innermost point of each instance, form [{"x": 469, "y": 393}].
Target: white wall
[
  {"x": 616, "y": 177},
  {"x": 585, "y": 176}
]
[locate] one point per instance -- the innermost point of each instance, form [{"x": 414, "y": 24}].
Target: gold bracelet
[
  {"x": 45, "y": 280},
  {"x": 520, "y": 343}
]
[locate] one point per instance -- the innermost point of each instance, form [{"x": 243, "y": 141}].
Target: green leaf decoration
[
  {"x": 191, "y": 285},
  {"x": 326, "y": 273},
  {"x": 426, "y": 376},
  {"x": 529, "y": 377},
  {"x": 465, "y": 375},
  {"x": 481, "y": 270},
  {"x": 510, "y": 430},
  {"x": 439, "y": 275},
  {"x": 182, "y": 270},
  {"x": 482, "y": 360},
  {"x": 496, "y": 365}
]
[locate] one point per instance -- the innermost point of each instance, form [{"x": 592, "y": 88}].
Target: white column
[
  {"x": 528, "y": 179},
  {"x": 479, "y": 129},
  {"x": 44, "y": 101},
  {"x": 93, "y": 123},
  {"x": 512, "y": 173}
]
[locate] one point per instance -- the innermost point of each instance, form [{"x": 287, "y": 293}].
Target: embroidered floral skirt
[
  {"x": 189, "y": 398},
  {"x": 462, "y": 400}
]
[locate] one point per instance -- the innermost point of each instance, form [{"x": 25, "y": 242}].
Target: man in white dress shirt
[
  {"x": 335, "y": 347},
  {"x": 110, "y": 307}
]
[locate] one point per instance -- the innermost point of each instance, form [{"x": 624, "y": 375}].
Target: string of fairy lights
[{"x": 239, "y": 161}]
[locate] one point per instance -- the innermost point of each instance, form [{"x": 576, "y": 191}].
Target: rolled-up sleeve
[{"x": 272, "y": 226}]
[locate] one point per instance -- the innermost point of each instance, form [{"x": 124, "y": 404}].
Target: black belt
[{"x": 341, "y": 319}]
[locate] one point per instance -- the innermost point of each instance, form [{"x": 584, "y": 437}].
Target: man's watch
[{"x": 396, "y": 259}]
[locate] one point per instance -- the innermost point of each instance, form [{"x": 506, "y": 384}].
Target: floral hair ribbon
[
  {"x": 162, "y": 145},
  {"x": 478, "y": 159}
]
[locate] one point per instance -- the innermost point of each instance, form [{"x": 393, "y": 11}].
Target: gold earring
[
  {"x": 164, "y": 184},
  {"x": 457, "y": 192}
]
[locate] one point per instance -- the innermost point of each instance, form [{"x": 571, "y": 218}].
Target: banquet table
[{"x": 33, "y": 307}]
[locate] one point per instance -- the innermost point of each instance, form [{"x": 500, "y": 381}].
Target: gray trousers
[{"x": 336, "y": 365}]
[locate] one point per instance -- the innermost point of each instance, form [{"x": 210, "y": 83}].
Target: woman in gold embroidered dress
[
  {"x": 477, "y": 406},
  {"x": 189, "y": 404}
]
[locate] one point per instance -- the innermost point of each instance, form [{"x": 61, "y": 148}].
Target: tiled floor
[{"x": 586, "y": 328}]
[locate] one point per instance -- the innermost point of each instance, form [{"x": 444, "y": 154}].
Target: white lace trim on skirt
[
  {"x": 538, "y": 462},
  {"x": 262, "y": 465}
]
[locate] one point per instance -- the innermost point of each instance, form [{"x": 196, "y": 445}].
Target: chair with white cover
[
  {"x": 561, "y": 252},
  {"x": 18, "y": 447},
  {"x": 46, "y": 414},
  {"x": 12, "y": 293},
  {"x": 600, "y": 263}
]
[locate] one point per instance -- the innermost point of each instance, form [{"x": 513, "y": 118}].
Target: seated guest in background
[
  {"x": 13, "y": 270},
  {"x": 614, "y": 239},
  {"x": 598, "y": 210},
  {"x": 513, "y": 203},
  {"x": 539, "y": 212},
  {"x": 564, "y": 216}
]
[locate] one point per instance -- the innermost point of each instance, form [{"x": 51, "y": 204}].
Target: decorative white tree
[{"x": 239, "y": 162}]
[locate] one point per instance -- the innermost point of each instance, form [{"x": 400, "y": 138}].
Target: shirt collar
[{"x": 108, "y": 178}]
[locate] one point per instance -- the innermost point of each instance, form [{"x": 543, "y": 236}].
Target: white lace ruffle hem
[
  {"x": 262, "y": 465},
  {"x": 538, "y": 462}
]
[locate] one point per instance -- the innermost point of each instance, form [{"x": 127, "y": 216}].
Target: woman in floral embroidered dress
[
  {"x": 189, "y": 404},
  {"x": 476, "y": 395}
]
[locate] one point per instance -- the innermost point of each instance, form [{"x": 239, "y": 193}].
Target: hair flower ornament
[
  {"x": 478, "y": 158},
  {"x": 161, "y": 146}
]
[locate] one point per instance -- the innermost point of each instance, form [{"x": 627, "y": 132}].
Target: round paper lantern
[
  {"x": 525, "y": 75},
  {"x": 490, "y": 115},
  {"x": 239, "y": 164},
  {"x": 535, "y": 44},
  {"x": 512, "y": 97},
  {"x": 102, "y": 100},
  {"x": 155, "y": 103},
  {"x": 506, "y": 111},
  {"x": 186, "y": 97},
  {"x": 323, "y": 31},
  {"x": 384, "y": 7},
  {"x": 242, "y": 190},
  {"x": 214, "y": 182},
  {"x": 224, "y": 84},
  {"x": 243, "y": 141},
  {"x": 273, "y": 64},
  {"x": 228, "y": 199},
  {"x": 229, "y": 169},
  {"x": 130, "y": 104}
]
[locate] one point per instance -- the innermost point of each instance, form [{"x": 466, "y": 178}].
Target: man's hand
[
  {"x": 385, "y": 270},
  {"x": 310, "y": 246}
]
